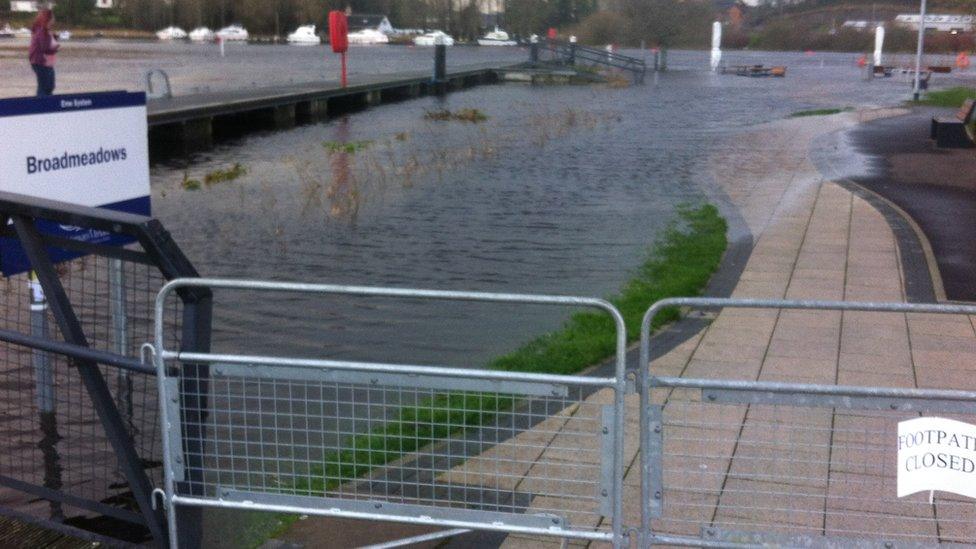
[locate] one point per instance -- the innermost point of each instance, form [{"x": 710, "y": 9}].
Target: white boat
[
  {"x": 64, "y": 35},
  {"x": 6, "y": 32},
  {"x": 22, "y": 32},
  {"x": 367, "y": 37},
  {"x": 497, "y": 38},
  {"x": 434, "y": 38},
  {"x": 233, "y": 33},
  {"x": 202, "y": 34},
  {"x": 304, "y": 35},
  {"x": 171, "y": 33}
]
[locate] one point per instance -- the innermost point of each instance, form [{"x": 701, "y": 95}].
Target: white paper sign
[{"x": 936, "y": 454}]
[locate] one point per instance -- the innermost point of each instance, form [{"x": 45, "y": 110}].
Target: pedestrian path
[{"x": 792, "y": 470}]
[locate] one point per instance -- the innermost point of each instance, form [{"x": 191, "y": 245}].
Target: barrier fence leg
[
  {"x": 91, "y": 376},
  {"x": 120, "y": 338}
]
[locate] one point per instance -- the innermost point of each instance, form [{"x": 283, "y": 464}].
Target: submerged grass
[
  {"x": 951, "y": 97},
  {"x": 463, "y": 115},
  {"x": 680, "y": 264},
  {"x": 346, "y": 146},
  {"x": 820, "y": 112},
  {"x": 229, "y": 174}
]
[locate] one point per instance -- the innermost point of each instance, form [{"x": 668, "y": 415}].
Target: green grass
[
  {"x": 464, "y": 115},
  {"x": 229, "y": 174},
  {"x": 820, "y": 112},
  {"x": 951, "y": 97},
  {"x": 351, "y": 147},
  {"x": 679, "y": 264}
]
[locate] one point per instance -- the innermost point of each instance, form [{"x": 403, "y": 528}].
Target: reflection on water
[{"x": 560, "y": 190}]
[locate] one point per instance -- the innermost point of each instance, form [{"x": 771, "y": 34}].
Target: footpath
[{"x": 794, "y": 470}]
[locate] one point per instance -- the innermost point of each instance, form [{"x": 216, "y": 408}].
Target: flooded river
[{"x": 560, "y": 190}]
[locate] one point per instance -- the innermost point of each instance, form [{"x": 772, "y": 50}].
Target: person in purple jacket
[{"x": 43, "y": 48}]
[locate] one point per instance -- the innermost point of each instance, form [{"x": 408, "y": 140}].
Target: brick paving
[{"x": 798, "y": 470}]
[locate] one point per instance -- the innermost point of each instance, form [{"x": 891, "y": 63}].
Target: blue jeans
[{"x": 45, "y": 79}]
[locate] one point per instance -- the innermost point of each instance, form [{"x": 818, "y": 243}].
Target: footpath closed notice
[{"x": 936, "y": 454}]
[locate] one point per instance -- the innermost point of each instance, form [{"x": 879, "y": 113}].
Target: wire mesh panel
[
  {"x": 506, "y": 451},
  {"x": 764, "y": 440},
  {"x": 781, "y": 472},
  {"x": 53, "y": 443},
  {"x": 432, "y": 446}
]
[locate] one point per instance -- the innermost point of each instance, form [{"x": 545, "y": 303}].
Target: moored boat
[
  {"x": 171, "y": 33},
  {"x": 202, "y": 34},
  {"x": 367, "y": 37},
  {"x": 6, "y": 32},
  {"x": 433, "y": 39},
  {"x": 304, "y": 35},
  {"x": 233, "y": 33},
  {"x": 497, "y": 37}
]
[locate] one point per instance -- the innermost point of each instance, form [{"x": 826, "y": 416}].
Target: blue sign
[{"x": 85, "y": 149}]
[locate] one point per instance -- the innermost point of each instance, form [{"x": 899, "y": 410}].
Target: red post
[{"x": 339, "y": 37}]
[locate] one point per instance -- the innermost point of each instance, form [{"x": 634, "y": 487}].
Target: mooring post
[
  {"x": 440, "y": 65},
  {"x": 534, "y": 50}
]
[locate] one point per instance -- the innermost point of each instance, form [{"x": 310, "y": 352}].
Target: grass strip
[
  {"x": 680, "y": 264},
  {"x": 820, "y": 112},
  {"x": 951, "y": 97}
]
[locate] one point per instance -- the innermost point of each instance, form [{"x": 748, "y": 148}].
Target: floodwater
[{"x": 561, "y": 190}]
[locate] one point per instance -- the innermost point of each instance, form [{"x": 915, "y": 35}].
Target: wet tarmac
[{"x": 936, "y": 187}]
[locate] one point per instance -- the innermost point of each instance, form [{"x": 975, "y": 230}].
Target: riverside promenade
[{"x": 808, "y": 471}]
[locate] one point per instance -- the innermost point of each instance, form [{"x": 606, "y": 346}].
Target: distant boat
[
  {"x": 434, "y": 38},
  {"x": 6, "y": 32},
  {"x": 64, "y": 35},
  {"x": 368, "y": 37},
  {"x": 202, "y": 34},
  {"x": 304, "y": 35},
  {"x": 171, "y": 33},
  {"x": 233, "y": 33},
  {"x": 497, "y": 38},
  {"x": 22, "y": 32}
]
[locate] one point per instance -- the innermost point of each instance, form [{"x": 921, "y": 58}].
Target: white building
[
  {"x": 940, "y": 23},
  {"x": 861, "y": 24},
  {"x": 105, "y": 4},
  {"x": 23, "y": 6}
]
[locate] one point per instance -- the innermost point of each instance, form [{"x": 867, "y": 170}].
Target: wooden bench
[{"x": 951, "y": 131}]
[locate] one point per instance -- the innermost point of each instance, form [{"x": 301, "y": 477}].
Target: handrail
[{"x": 76, "y": 351}]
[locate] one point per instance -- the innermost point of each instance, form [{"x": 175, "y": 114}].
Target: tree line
[{"x": 461, "y": 18}]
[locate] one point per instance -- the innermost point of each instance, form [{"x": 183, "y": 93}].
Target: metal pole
[
  {"x": 120, "y": 337},
  {"x": 44, "y": 375},
  {"x": 918, "y": 53}
]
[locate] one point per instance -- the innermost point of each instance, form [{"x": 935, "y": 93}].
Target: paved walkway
[{"x": 792, "y": 470}]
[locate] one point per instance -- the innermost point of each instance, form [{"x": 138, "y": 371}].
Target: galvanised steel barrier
[
  {"x": 739, "y": 462},
  {"x": 459, "y": 448}
]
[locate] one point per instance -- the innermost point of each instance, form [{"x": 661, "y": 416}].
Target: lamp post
[{"x": 918, "y": 54}]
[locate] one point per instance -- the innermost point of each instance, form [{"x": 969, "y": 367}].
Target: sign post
[{"x": 339, "y": 38}]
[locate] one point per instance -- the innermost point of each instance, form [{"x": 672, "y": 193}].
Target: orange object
[
  {"x": 962, "y": 60},
  {"x": 862, "y": 61}
]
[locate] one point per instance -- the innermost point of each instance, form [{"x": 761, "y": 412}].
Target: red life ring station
[{"x": 339, "y": 37}]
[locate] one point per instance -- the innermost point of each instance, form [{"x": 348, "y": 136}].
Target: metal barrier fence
[
  {"x": 460, "y": 448},
  {"x": 79, "y": 412},
  {"x": 739, "y": 462}
]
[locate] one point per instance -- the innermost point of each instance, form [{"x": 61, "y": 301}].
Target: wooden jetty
[{"x": 192, "y": 121}]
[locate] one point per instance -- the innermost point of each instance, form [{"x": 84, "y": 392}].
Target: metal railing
[
  {"x": 740, "y": 462},
  {"x": 567, "y": 53},
  {"x": 452, "y": 447},
  {"x": 78, "y": 405}
]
